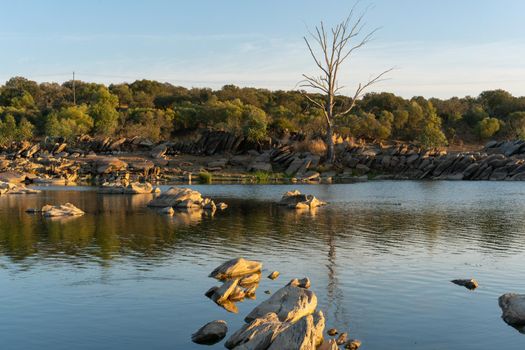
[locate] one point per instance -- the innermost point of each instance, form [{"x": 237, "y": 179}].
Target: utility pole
[{"x": 74, "y": 95}]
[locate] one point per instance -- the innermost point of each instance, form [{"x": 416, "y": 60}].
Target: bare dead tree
[{"x": 333, "y": 48}]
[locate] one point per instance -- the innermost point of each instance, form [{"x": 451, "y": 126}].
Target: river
[{"x": 380, "y": 257}]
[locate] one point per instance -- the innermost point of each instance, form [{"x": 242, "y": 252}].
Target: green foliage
[
  {"x": 11, "y": 131},
  {"x": 515, "y": 125},
  {"x": 254, "y": 123},
  {"x": 69, "y": 122},
  {"x": 488, "y": 127},
  {"x": 156, "y": 110},
  {"x": 205, "y": 177}
]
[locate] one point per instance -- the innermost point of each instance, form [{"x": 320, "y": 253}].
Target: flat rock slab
[
  {"x": 290, "y": 303},
  {"x": 176, "y": 196},
  {"x": 211, "y": 333},
  {"x": 513, "y": 307},
  {"x": 236, "y": 268}
]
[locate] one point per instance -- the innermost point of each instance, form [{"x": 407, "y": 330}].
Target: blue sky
[{"x": 439, "y": 48}]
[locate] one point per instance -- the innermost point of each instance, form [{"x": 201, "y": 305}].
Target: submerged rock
[
  {"x": 235, "y": 268},
  {"x": 513, "y": 307},
  {"x": 290, "y": 303},
  {"x": 211, "y": 333},
  {"x": 467, "y": 283}
]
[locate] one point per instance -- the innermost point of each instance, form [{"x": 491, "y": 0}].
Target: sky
[{"x": 439, "y": 48}]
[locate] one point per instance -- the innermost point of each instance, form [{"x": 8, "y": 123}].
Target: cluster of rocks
[
  {"x": 128, "y": 188},
  {"x": 406, "y": 161},
  {"x": 10, "y": 188},
  {"x": 240, "y": 279},
  {"x": 184, "y": 198},
  {"x": 297, "y": 200},
  {"x": 62, "y": 210},
  {"x": 288, "y": 319}
]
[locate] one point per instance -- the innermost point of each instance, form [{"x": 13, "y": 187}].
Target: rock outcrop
[
  {"x": 63, "y": 210},
  {"x": 296, "y": 200}
]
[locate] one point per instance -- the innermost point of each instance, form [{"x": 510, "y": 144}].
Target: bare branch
[{"x": 360, "y": 90}]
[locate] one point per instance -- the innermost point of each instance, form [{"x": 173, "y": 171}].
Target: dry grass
[{"x": 316, "y": 146}]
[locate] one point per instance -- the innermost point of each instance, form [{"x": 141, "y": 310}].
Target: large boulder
[
  {"x": 290, "y": 303},
  {"x": 106, "y": 165},
  {"x": 258, "y": 334},
  {"x": 513, "y": 307},
  {"x": 211, "y": 333},
  {"x": 177, "y": 197},
  {"x": 235, "y": 268},
  {"x": 305, "y": 334}
]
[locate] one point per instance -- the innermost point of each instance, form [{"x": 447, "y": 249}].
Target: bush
[
  {"x": 488, "y": 127},
  {"x": 205, "y": 177}
]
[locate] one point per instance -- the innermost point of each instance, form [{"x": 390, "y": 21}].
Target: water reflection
[{"x": 380, "y": 258}]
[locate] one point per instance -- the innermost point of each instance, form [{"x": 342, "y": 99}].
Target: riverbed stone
[
  {"x": 211, "y": 333},
  {"x": 467, "y": 283},
  {"x": 513, "y": 308}
]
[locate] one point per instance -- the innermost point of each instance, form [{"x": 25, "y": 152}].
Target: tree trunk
[{"x": 330, "y": 151}]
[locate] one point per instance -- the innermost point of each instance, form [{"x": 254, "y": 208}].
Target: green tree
[
  {"x": 515, "y": 125},
  {"x": 488, "y": 127},
  {"x": 254, "y": 123},
  {"x": 69, "y": 122}
]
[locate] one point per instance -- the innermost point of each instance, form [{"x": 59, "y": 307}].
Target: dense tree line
[{"x": 160, "y": 110}]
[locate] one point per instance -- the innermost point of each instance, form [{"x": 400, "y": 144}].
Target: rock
[
  {"x": 513, "y": 307},
  {"x": 342, "y": 338},
  {"x": 109, "y": 164},
  {"x": 353, "y": 344},
  {"x": 167, "y": 211},
  {"x": 222, "y": 206},
  {"x": 132, "y": 188},
  {"x": 294, "y": 166},
  {"x": 258, "y": 166},
  {"x": 223, "y": 292},
  {"x": 467, "y": 283},
  {"x": 274, "y": 275},
  {"x": 159, "y": 151},
  {"x": 211, "y": 333},
  {"x": 290, "y": 303},
  {"x": 258, "y": 334},
  {"x": 219, "y": 163},
  {"x": 236, "y": 267},
  {"x": 301, "y": 335},
  {"x": 238, "y": 294},
  {"x": 67, "y": 209},
  {"x": 210, "y": 292},
  {"x": 12, "y": 177},
  {"x": 328, "y": 345},
  {"x": 297, "y": 200},
  {"x": 301, "y": 283},
  {"x": 250, "y": 279},
  {"x": 331, "y": 332},
  {"x": 175, "y": 197},
  {"x": 21, "y": 189}
]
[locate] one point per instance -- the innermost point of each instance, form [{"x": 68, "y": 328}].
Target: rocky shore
[{"x": 214, "y": 157}]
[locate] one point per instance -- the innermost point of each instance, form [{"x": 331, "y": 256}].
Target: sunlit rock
[
  {"x": 236, "y": 267},
  {"x": 290, "y": 303},
  {"x": 467, "y": 283}
]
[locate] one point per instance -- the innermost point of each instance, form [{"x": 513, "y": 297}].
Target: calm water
[{"x": 380, "y": 258}]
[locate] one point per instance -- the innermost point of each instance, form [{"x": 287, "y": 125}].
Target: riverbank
[{"x": 213, "y": 159}]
